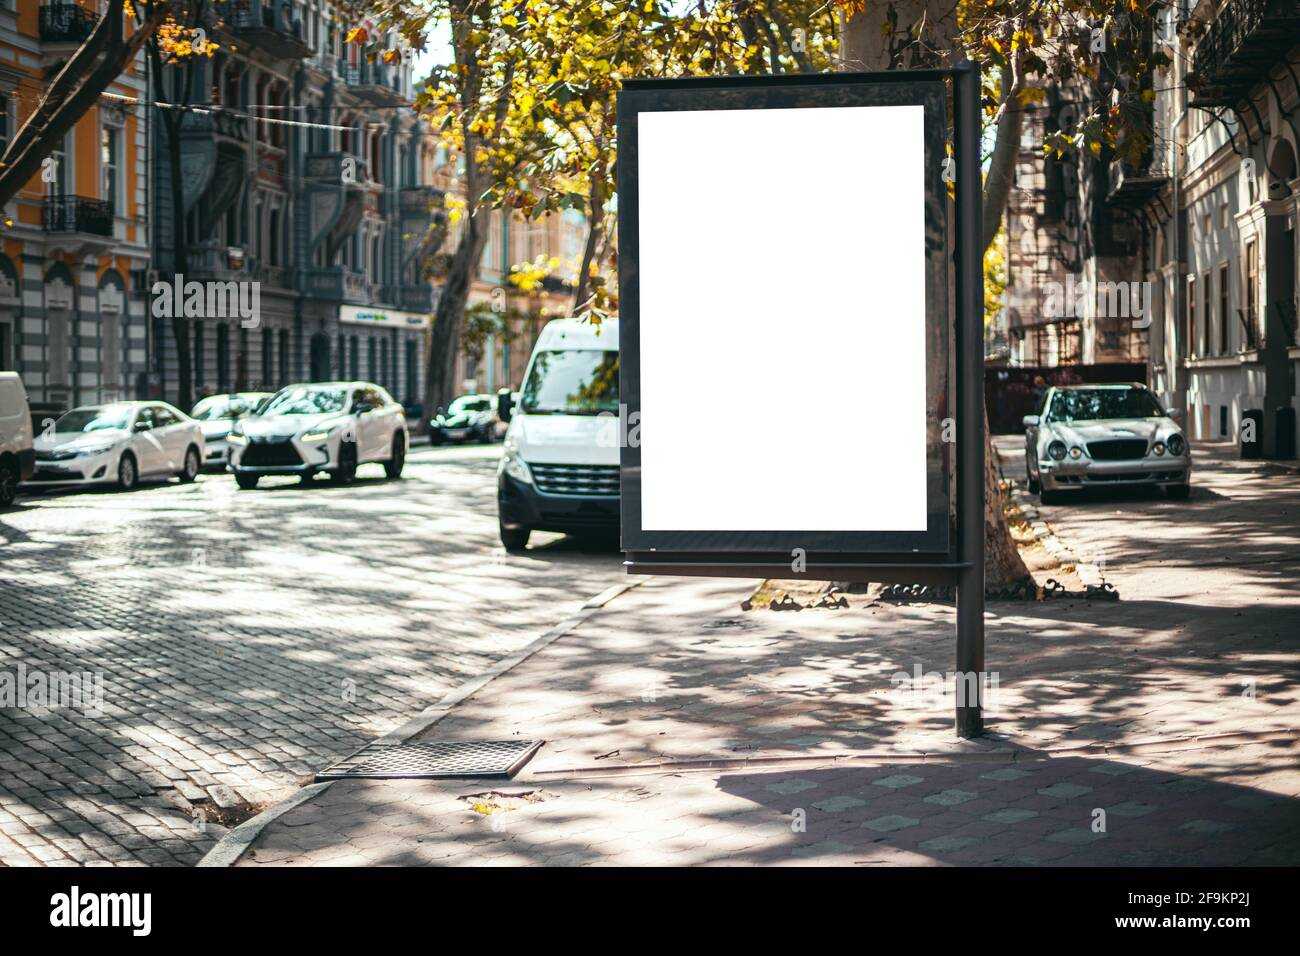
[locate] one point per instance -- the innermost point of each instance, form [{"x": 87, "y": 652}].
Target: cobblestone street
[{"x": 244, "y": 639}]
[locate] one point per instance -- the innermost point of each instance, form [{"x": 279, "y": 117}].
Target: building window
[
  {"x": 267, "y": 348},
  {"x": 1224, "y": 274},
  {"x": 1251, "y": 290},
  {"x": 1189, "y": 332},
  {"x": 412, "y": 372},
  {"x": 383, "y": 363},
  {"x": 284, "y": 357},
  {"x": 1203, "y": 332},
  {"x": 223, "y": 358},
  {"x": 4, "y": 123},
  {"x": 196, "y": 345},
  {"x": 58, "y": 186},
  {"x": 354, "y": 358},
  {"x": 372, "y": 360},
  {"x": 108, "y": 164},
  {"x": 273, "y": 247}
]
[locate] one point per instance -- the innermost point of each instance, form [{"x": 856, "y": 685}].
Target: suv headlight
[
  {"x": 1056, "y": 450},
  {"x": 1176, "y": 444},
  {"x": 516, "y": 467},
  {"x": 236, "y": 437},
  {"x": 320, "y": 434}
]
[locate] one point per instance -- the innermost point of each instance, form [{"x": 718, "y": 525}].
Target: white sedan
[
  {"x": 1104, "y": 436},
  {"x": 118, "y": 444}
]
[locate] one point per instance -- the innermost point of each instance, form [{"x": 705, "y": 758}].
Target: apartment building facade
[
  {"x": 303, "y": 171},
  {"x": 1202, "y": 226},
  {"x": 74, "y": 261},
  {"x": 1228, "y": 344}
]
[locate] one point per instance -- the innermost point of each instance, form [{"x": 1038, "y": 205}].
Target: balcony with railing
[
  {"x": 63, "y": 21},
  {"x": 80, "y": 214},
  {"x": 1132, "y": 185},
  {"x": 421, "y": 203},
  {"x": 409, "y": 298},
  {"x": 379, "y": 84},
  {"x": 269, "y": 25},
  {"x": 1240, "y": 45},
  {"x": 336, "y": 284}
]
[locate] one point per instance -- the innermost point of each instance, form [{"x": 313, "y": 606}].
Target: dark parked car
[{"x": 470, "y": 418}]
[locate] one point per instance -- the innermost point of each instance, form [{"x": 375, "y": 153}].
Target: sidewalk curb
[
  {"x": 877, "y": 758},
  {"x": 232, "y": 846},
  {"x": 1027, "y": 507}
]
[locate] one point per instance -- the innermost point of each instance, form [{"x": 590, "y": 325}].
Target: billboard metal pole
[{"x": 970, "y": 405}]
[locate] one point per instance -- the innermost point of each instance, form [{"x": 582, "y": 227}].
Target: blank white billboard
[{"x": 782, "y": 319}]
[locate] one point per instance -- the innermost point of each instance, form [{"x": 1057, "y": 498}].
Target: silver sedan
[{"x": 1104, "y": 436}]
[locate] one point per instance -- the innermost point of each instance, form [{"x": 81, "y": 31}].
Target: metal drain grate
[{"x": 432, "y": 759}]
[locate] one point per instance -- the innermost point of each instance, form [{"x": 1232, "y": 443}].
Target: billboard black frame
[
  {"x": 787, "y": 92},
  {"x": 933, "y": 558}
]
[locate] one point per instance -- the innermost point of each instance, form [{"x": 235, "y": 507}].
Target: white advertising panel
[{"x": 782, "y": 277}]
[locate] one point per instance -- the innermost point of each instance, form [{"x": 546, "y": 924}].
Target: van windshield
[{"x": 572, "y": 382}]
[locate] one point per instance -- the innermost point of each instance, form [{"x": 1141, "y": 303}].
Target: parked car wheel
[
  {"x": 127, "y": 474},
  {"x": 190, "y": 470},
  {"x": 8, "y": 483},
  {"x": 1048, "y": 497},
  {"x": 393, "y": 467},
  {"x": 514, "y": 539},
  {"x": 1179, "y": 492},
  {"x": 246, "y": 482},
  {"x": 347, "y": 466}
]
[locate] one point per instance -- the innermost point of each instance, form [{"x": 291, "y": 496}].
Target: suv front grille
[
  {"x": 270, "y": 453},
  {"x": 1117, "y": 449},
  {"x": 586, "y": 480}
]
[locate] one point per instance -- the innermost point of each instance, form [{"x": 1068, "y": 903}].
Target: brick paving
[
  {"x": 245, "y": 639},
  {"x": 675, "y": 672}
]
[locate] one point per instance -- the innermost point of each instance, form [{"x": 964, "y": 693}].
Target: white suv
[
  {"x": 17, "y": 459},
  {"x": 329, "y": 427}
]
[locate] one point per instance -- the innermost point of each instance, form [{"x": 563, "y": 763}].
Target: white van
[
  {"x": 560, "y": 467},
  {"x": 17, "y": 460}
]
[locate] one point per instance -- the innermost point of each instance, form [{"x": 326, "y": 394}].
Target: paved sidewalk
[{"x": 822, "y": 756}]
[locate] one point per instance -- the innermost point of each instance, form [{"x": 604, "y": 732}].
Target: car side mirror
[
  {"x": 505, "y": 405},
  {"x": 1176, "y": 414},
  {"x": 360, "y": 408},
  {"x": 141, "y": 427},
  {"x": 1030, "y": 421}
]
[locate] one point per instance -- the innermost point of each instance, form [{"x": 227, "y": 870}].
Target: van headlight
[{"x": 516, "y": 467}]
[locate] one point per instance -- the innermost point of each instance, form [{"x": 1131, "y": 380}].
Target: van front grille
[{"x": 583, "y": 480}]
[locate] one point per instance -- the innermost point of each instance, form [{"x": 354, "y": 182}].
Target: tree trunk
[
  {"x": 878, "y": 39},
  {"x": 66, "y": 102},
  {"x": 172, "y": 120},
  {"x": 444, "y": 337},
  {"x": 180, "y": 261},
  {"x": 595, "y": 219}
]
